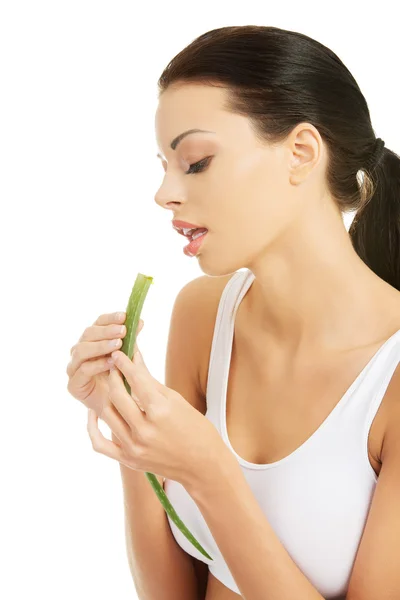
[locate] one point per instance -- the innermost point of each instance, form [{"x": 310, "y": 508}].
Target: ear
[{"x": 307, "y": 150}]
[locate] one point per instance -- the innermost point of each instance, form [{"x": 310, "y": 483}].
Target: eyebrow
[{"x": 180, "y": 137}]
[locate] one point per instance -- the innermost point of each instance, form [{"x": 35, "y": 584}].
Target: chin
[{"x": 218, "y": 268}]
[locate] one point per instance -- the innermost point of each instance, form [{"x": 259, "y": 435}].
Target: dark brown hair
[{"x": 279, "y": 78}]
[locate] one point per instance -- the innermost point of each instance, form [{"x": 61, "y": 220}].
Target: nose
[{"x": 168, "y": 200}]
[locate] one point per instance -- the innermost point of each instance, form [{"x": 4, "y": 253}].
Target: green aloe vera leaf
[{"x": 133, "y": 311}]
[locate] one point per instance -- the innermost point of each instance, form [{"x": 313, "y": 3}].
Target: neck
[{"x": 314, "y": 291}]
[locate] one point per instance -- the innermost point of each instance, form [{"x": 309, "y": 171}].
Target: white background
[{"x": 78, "y": 175}]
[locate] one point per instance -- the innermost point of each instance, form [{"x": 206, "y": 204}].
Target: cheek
[
  {"x": 260, "y": 210},
  {"x": 264, "y": 187},
  {"x": 248, "y": 190},
  {"x": 256, "y": 178}
]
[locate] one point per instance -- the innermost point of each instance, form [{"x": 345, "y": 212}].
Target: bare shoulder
[
  {"x": 210, "y": 290},
  {"x": 190, "y": 337}
]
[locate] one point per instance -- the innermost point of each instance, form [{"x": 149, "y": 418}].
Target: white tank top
[{"x": 316, "y": 499}]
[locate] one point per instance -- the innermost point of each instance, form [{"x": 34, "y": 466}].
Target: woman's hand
[
  {"x": 88, "y": 369},
  {"x": 158, "y": 430}
]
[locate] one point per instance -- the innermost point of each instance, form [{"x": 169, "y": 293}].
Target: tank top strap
[
  {"x": 371, "y": 384},
  {"x": 377, "y": 380},
  {"x": 355, "y": 417},
  {"x": 231, "y": 297}
]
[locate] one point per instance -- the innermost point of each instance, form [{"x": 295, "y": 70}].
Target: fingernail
[{"x": 114, "y": 355}]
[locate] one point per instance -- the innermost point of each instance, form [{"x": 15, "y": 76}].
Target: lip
[
  {"x": 184, "y": 224},
  {"x": 193, "y": 248}
]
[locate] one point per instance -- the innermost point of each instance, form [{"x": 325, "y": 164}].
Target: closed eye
[{"x": 199, "y": 166}]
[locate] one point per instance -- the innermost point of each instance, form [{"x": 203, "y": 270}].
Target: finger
[
  {"x": 138, "y": 330},
  {"x": 80, "y": 366},
  {"x": 119, "y": 427},
  {"x": 99, "y": 332},
  {"x": 134, "y": 368},
  {"x": 130, "y": 411},
  {"x": 99, "y": 329},
  {"x": 108, "y": 318},
  {"x": 120, "y": 377},
  {"x": 99, "y": 442},
  {"x": 148, "y": 391},
  {"x": 134, "y": 373}
]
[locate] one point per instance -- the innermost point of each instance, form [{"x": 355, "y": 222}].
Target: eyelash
[{"x": 199, "y": 166}]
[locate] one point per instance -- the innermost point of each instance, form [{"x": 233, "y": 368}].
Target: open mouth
[
  {"x": 197, "y": 233},
  {"x": 191, "y": 234}
]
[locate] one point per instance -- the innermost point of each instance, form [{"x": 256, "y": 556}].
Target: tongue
[{"x": 200, "y": 229}]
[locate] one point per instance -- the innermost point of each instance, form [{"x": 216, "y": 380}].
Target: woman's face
[{"x": 243, "y": 194}]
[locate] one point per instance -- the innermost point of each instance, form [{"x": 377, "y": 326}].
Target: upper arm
[
  {"x": 376, "y": 572},
  {"x": 183, "y": 350},
  {"x": 190, "y": 337}
]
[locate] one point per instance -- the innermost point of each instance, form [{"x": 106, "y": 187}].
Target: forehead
[
  {"x": 188, "y": 106},
  {"x": 190, "y": 99}
]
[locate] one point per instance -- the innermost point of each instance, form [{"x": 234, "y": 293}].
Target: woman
[{"x": 299, "y": 370}]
